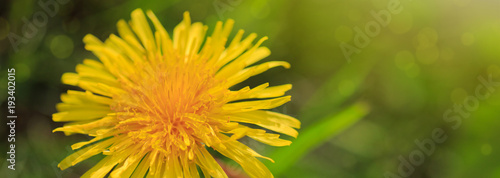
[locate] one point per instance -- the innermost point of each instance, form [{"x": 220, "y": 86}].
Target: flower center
[{"x": 167, "y": 106}]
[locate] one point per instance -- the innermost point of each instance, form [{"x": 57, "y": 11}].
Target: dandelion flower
[{"x": 154, "y": 105}]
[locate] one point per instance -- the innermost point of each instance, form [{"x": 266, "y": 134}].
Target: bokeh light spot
[
  {"x": 427, "y": 55},
  {"x": 61, "y": 46},
  {"x": 427, "y": 37},
  {"x": 404, "y": 60},
  {"x": 23, "y": 72}
]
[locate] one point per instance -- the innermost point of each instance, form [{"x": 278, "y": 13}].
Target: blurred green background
[{"x": 358, "y": 117}]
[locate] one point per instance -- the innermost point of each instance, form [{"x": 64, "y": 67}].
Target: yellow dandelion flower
[{"x": 155, "y": 104}]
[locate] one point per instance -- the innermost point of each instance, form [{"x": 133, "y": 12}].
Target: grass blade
[{"x": 315, "y": 135}]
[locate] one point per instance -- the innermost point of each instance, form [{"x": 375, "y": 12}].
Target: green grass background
[{"x": 357, "y": 117}]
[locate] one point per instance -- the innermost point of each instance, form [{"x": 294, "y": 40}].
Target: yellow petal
[
  {"x": 156, "y": 166},
  {"x": 120, "y": 64},
  {"x": 239, "y": 63},
  {"x": 102, "y": 168},
  {"x": 267, "y": 138},
  {"x": 70, "y": 79},
  {"x": 270, "y": 120},
  {"x": 193, "y": 171},
  {"x": 208, "y": 164},
  {"x": 92, "y": 72},
  {"x": 79, "y": 115},
  {"x": 166, "y": 42},
  {"x": 255, "y": 70},
  {"x": 141, "y": 27},
  {"x": 75, "y": 107},
  {"x": 255, "y": 105},
  {"x": 236, "y": 48},
  {"x": 89, "y": 127},
  {"x": 87, "y": 97},
  {"x": 259, "y": 135},
  {"x": 103, "y": 87},
  {"x": 85, "y": 153},
  {"x": 244, "y": 156},
  {"x": 259, "y": 54},
  {"x": 261, "y": 91},
  {"x": 173, "y": 168},
  {"x": 128, "y": 35},
  {"x": 195, "y": 39},
  {"x": 181, "y": 34},
  {"x": 143, "y": 167},
  {"x": 92, "y": 172},
  {"x": 128, "y": 167},
  {"x": 100, "y": 135},
  {"x": 128, "y": 50},
  {"x": 94, "y": 64},
  {"x": 153, "y": 162}
]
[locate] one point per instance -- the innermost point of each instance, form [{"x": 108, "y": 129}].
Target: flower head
[{"x": 154, "y": 104}]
